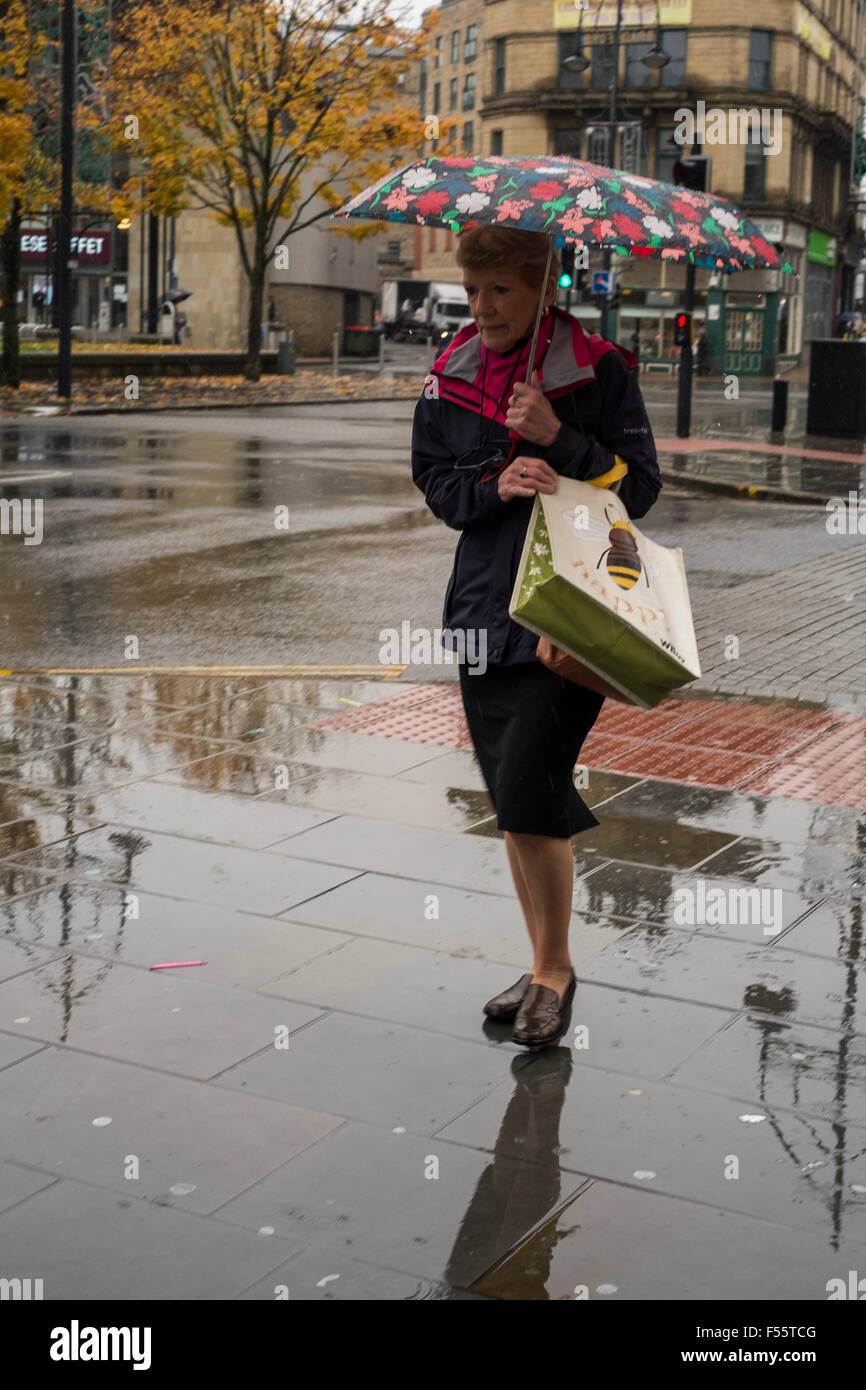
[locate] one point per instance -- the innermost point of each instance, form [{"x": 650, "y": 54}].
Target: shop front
[
  {"x": 819, "y": 318},
  {"x": 98, "y": 277}
]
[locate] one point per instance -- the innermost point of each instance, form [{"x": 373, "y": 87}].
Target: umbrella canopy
[{"x": 571, "y": 201}]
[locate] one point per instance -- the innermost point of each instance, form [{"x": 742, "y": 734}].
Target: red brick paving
[{"x": 773, "y": 750}]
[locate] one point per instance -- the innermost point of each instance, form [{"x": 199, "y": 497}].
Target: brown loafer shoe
[
  {"x": 503, "y": 1007},
  {"x": 543, "y": 1017}
]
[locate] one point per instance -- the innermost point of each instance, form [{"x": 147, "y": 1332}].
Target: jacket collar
[{"x": 567, "y": 362}]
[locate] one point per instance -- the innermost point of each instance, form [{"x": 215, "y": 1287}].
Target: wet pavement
[{"x": 321, "y": 1104}]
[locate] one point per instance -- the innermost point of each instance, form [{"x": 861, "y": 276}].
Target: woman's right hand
[{"x": 540, "y": 477}]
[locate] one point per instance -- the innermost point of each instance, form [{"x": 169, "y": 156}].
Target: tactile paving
[{"x": 770, "y": 749}]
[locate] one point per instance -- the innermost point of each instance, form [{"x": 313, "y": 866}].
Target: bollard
[
  {"x": 381, "y": 352},
  {"x": 336, "y": 353},
  {"x": 780, "y": 406}
]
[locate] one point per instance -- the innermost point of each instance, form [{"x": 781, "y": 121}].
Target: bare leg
[
  {"x": 522, "y": 890},
  {"x": 546, "y": 870}
]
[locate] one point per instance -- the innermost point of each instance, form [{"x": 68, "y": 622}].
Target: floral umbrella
[{"x": 571, "y": 201}]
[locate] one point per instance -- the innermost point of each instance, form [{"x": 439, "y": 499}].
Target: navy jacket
[{"x": 593, "y": 388}]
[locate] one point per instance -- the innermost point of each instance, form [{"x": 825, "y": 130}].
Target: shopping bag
[{"x": 606, "y": 595}]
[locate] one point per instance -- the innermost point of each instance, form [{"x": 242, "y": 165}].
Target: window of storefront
[
  {"x": 668, "y": 152},
  {"x": 743, "y": 330},
  {"x": 567, "y": 140}
]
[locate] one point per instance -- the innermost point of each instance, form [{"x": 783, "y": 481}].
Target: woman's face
[{"x": 503, "y": 306}]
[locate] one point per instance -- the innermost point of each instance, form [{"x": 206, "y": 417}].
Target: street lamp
[{"x": 655, "y": 59}]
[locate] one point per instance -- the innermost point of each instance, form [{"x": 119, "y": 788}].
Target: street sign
[{"x": 603, "y": 281}]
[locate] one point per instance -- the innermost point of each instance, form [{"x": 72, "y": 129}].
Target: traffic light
[
  {"x": 683, "y": 330},
  {"x": 566, "y": 279}
]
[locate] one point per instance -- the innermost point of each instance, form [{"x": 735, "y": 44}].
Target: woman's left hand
[{"x": 531, "y": 415}]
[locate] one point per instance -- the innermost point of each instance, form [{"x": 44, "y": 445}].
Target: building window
[
  {"x": 566, "y": 141},
  {"x": 437, "y": 53},
  {"x": 394, "y": 251},
  {"x": 469, "y": 91},
  {"x": 455, "y": 46},
  {"x": 496, "y": 142},
  {"x": 452, "y": 94},
  {"x": 673, "y": 74},
  {"x": 601, "y": 72},
  {"x": 468, "y": 136},
  {"x": 754, "y": 180},
  {"x": 437, "y": 86},
  {"x": 760, "y": 60},
  {"x": 596, "y": 145},
  {"x": 422, "y": 87},
  {"x": 637, "y": 74},
  {"x": 668, "y": 152},
  {"x": 470, "y": 48},
  {"x": 499, "y": 69},
  {"x": 633, "y": 156},
  {"x": 566, "y": 78}
]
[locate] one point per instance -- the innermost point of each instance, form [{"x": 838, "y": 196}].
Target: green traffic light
[{"x": 565, "y": 280}]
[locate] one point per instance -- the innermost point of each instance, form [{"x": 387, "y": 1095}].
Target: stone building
[{"x": 501, "y": 64}]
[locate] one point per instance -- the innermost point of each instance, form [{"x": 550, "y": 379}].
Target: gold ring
[{"x": 523, "y": 472}]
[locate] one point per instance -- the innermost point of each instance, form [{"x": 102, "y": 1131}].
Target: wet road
[{"x": 154, "y": 525}]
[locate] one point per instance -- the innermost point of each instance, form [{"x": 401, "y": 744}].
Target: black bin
[{"x": 837, "y": 388}]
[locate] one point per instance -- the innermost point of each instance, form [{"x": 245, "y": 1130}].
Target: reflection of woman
[{"x": 527, "y": 724}]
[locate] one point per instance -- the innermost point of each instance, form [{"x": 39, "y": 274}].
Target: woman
[{"x": 527, "y": 724}]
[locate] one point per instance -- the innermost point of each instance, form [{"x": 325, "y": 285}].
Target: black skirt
[{"x": 528, "y": 725}]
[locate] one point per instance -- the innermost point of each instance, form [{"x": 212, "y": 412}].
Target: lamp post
[
  {"x": 655, "y": 59},
  {"x": 64, "y": 224}
]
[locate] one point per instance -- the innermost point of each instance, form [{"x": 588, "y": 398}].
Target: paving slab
[
  {"x": 433, "y": 856},
  {"x": 824, "y": 869},
  {"x": 192, "y": 814},
  {"x": 791, "y": 1066},
  {"x": 331, "y": 1276},
  {"x": 756, "y": 817},
  {"x": 240, "y": 948},
  {"x": 363, "y": 1189},
  {"x": 88, "y": 1244},
  {"x": 44, "y": 828},
  {"x": 17, "y": 1182},
  {"x": 221, "y": 874},
  {"x": 389, "y": 799},
  {"x": 444, "y": 994},
  {"x": 110, "y": 760},
  {"x": 12, "y": 1049},
  {"x": 162, "y": 1019},
  {"x": 833, "y": 928},
  {"x": 480, "y": 926},
  {"x": 384, "y": 1073},
  {"x": 692, "y": 966},
  {"x": 196, "y": 1146},
  {"x": 640, "y": 893},
  {"x": 685, "y": 1140},
  {"x": 613, "y": 1244}
]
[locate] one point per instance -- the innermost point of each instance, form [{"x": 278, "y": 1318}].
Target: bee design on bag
[{"x": 623, "y": 561}]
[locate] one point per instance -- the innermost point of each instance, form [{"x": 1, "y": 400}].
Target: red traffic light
[
  {"x": 682, "y": 330},
  {"x": 681, "y": 320}
]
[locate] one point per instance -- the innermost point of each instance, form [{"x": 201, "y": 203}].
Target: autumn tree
[
  {"x": 261, "y": 112},
  {"x": 30, "y": 136}
]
